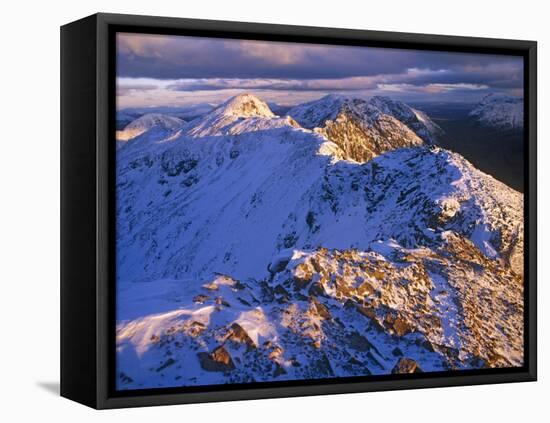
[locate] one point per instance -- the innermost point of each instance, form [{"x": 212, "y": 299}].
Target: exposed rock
[
  {"x": 280, "y": 290},
  {"x": 365, "y": 289},
  {"x": 406, "y": 365},
  {"x": 238, "y": 334},
  {"x": 221, "y": 302},
  {"x": 401, "y": 326},
  {"x": 166, "y": 364},
  {"x": 316, "y": 289},
  {"x": 366, "y": 311},
  {"x": 278, "y": 265},
  {"x": 321, "y": 309},
  {"x": 322, "y": 366},
  {"x": 397, "y": 352},
  {"x": 275, "y": 353},
  {"x": 124, "y": 378},
  {"x": 194, "y": 328},
  {"x": 210, "y": 286},
  {"x": 302, "y": 275},
  {"x": 279, "y": 370},
  {"x": 217, "y": 361},
  {"x": 201, "y": 298},
  {"x": 358, "y": 342}
]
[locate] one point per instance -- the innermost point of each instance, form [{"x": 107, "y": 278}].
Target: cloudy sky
[{"x": 161, "y": 70}]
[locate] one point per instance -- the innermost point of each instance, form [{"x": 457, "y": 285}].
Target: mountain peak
[
  {"x": 335, "y": 97},
  {"x": 245, "y": 105},
  {"x": 500, "y": 111},
  {"x": 415, "y": 119},
  {"x": 148, "y": 121},
  {"x": 315, "y": 113},
  {"x": 242, "y": 113}
]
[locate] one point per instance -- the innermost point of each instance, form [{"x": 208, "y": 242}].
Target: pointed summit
[
  {"x": 245, "y": 105},
  {"x": 242, "y": 113}
]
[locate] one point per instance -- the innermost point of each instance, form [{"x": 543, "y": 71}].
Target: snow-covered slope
[
  {"x": 416, "y": 120},
  {"x": 149, "y": 121},
  {"x": 499, "y": 111},
  {"x": 261, "y": 254},
  {"x": 315, "y": 113}
]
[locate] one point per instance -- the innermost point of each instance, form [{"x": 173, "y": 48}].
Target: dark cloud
[
  {"x": 176, "y": 57},
  {"x": 215, "y": 84},
  {"x": 162, "y": 69}
]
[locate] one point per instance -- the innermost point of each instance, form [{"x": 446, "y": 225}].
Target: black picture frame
[{"x": 87, "y": 212}]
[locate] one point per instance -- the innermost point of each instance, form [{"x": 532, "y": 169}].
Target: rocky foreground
[{"x": 332, "y": 313}]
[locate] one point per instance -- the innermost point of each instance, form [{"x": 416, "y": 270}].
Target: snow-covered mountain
[
  {"x": 415, "y": 119},
  {"x": 242, "y": 113},
  {"x": 186, "y": 113},
  {"x": 314, "y": 114},
  {"x": 364, "y": 129},
  {"x": 250, "y": 248},
  {"x": 147, "y": 122},
  {"x": 499, "y": 111}
]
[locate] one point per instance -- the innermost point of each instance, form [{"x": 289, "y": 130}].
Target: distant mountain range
[
  {"x": 499, "y": 111},
  {"x": 127, "y": 115},
  {"x": 338, "y": 240},
  {"x": 147, "y": 122}
]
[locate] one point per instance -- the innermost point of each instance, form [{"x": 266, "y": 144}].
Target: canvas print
[{"x": 290, "y": 212}]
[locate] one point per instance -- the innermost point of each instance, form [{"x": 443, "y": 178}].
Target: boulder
[
  {"x": 195, "y": 328},
  {"x": 317, "y": 290},
  {"x": 358, "y": 342},
  {"x": 219, "y": 360},
  {"x": 302, "y": 275},
  {"x": 238, "y": 334},
  {"x": 201, "y": 298},
  {"x": 406, "y": 365},
  {"x": 321, "y": 309},
  {"x": 220, "y": 301},
  {"x": 365, "y": 289},
  {"x": 366, "y": 311},
  {"x": 401, "y": 327}
]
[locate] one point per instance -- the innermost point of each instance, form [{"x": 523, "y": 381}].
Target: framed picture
[{"x": 254, "y": 211}]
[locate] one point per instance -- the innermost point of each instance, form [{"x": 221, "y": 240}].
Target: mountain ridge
[
  {"x": 255, "y": 249},
  {"x": 146, "y": 122},
  {"x": 366, "y": 129}
]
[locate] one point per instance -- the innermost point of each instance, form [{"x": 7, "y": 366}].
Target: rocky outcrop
[
  {"x": 406, "y": 365},
  {"x": 362, "y": 138},
  {"x": 218, "y": 360},
  {"x": 238, "y": 334}
]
